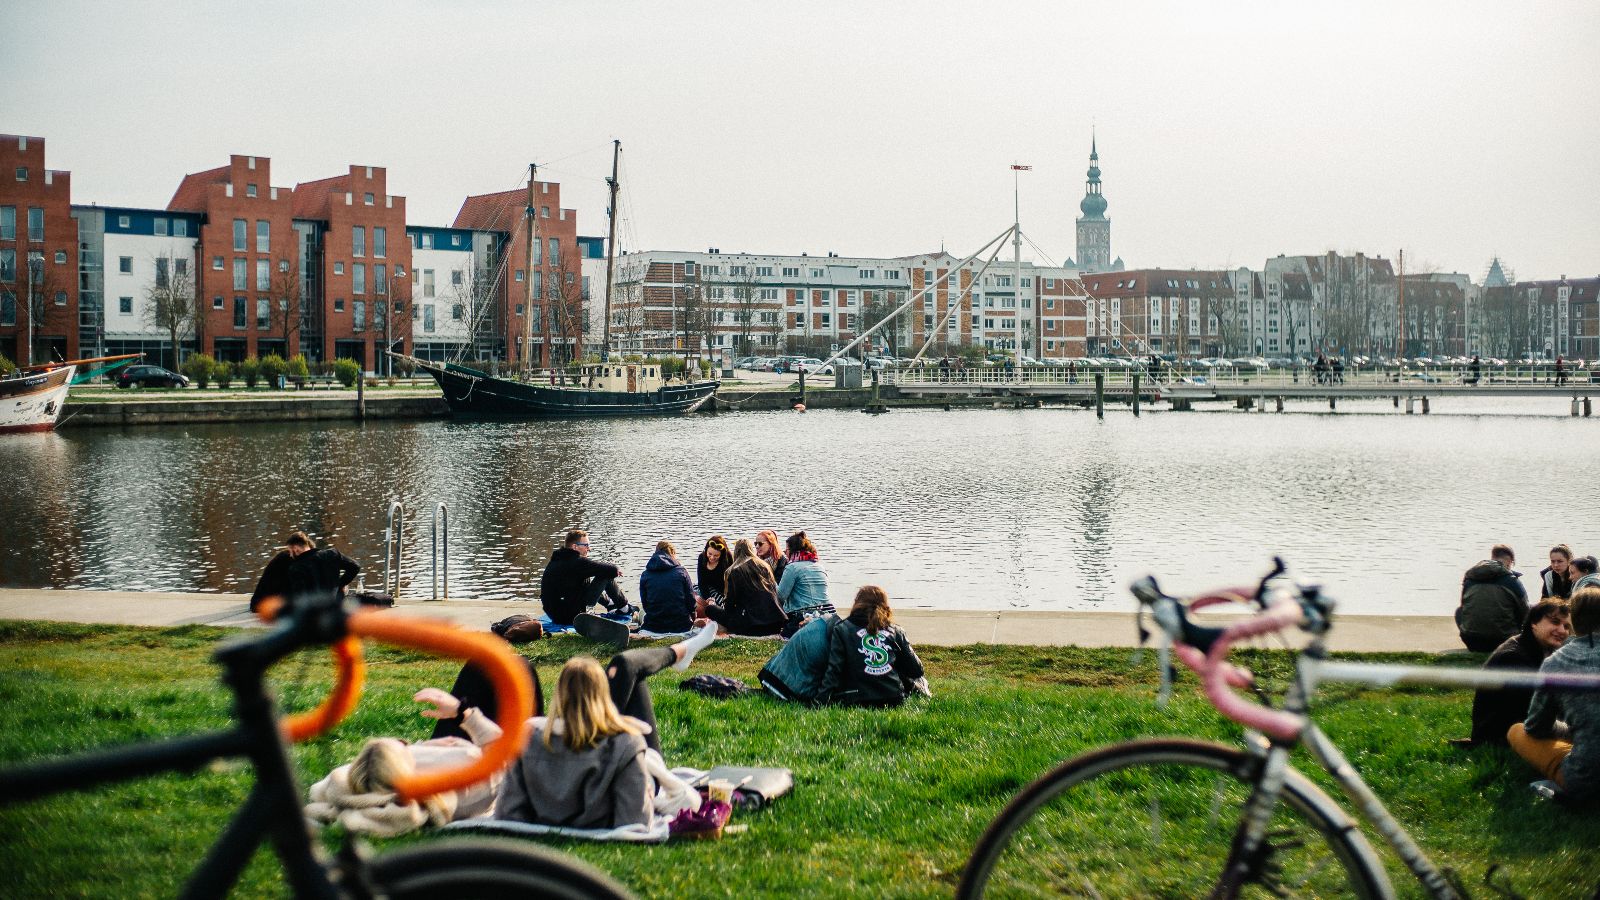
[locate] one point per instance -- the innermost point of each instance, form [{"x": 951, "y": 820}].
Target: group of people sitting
[
  {"x": 1557, "y": 732},
  {"x": 594, "y": 759}
]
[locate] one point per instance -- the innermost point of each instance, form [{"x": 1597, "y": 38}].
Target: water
[{"x": 987, "y": 509}]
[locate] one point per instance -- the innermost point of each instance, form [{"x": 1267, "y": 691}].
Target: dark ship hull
[{"x": 471, "y": 392}]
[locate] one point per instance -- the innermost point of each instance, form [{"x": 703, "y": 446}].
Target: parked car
[
  {"x": 812, "y": 366},
  {"x": 150, "y": 376},
  {"x": 745, "y": 362}
]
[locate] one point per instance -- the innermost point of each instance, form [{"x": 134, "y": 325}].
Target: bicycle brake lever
[{"x": 1278, "y": 568}]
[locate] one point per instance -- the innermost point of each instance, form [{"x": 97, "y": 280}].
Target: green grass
[{"x": 886, "y": 803}]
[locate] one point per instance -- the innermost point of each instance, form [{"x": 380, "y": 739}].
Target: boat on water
[
  {"x": 32, "y": 398},
  {"x": 596, "y": 389}
]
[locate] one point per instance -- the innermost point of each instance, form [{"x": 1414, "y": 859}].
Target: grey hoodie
[
  {"x": 1580, "y": 710},
  {"x": 604, "y": 786}
]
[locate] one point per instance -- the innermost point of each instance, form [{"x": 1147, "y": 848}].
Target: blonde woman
[{"x": 751, "y": 607}]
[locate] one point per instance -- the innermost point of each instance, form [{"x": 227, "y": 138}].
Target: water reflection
[{"x": 966, "y": 509}]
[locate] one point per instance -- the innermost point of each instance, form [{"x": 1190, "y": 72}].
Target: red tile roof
[
  {"x": 493, "y": 212},
  {"x": 191, "y": 193},
  {"x": 311, "y": 198}
]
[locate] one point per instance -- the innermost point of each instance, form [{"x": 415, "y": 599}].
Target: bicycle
[
  {"x": 473, "y": 867},
  {"x": 1220, "y": 820}
]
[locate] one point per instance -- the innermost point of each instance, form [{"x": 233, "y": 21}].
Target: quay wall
[{"x": 288, "y": 408}]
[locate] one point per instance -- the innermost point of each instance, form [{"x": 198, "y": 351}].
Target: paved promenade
[{"x": 1433, "y": 634}]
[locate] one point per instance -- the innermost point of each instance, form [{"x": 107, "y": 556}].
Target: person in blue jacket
[{"x": 666, "y": 593}]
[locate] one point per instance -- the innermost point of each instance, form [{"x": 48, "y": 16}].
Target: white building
[
  {"x": 454, "y": 286},
  {"x": 128, "y": 257}
]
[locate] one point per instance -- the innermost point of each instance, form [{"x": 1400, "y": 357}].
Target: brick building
[
  {"x": 38, "y": 255},
  {"x": 353, "y": 289},
  {"x": 1177, "y": 312},
  {"x": 552, "y": 284},
  {"x": 250, "y": 259}
]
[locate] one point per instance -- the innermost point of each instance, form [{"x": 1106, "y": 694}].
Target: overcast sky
[{"x": 1228, "y": 131}]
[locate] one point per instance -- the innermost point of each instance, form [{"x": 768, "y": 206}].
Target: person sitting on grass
[
  {"x": 803, "y": 590},
  {"x": 588, "y": 765},
  {"x": 1493, "y": 602},
  {"x": 771, "y": 552},
  {"x": 1584, "y": 573},
  {"x": 1561, "y": 736},
  {"x": 666, "y": 593},
  {"x": 711, "y": 570},
  {"x": 1555, "y": 580},
  {"x": 751, "y": 606},
  {"x": 1495, "y": 711},
  {"x": 870, "y": 661}
]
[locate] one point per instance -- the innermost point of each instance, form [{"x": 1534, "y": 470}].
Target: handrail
[
  {"x": 393, "y": 548},
  {"x": 441, "y": 541},
  {"x": 507, "y": 673},
  {"x": 1578, "y": 381}
]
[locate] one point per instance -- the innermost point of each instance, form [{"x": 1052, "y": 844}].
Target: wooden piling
[
  {"x": 1136, "y": 393},
  {"x": 1100, "y": 395}
]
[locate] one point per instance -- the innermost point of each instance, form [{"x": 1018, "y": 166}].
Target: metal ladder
[{"x": 394, "y": 550}]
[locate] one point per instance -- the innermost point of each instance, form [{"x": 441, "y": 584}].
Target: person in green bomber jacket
[{"x": 1493, "y": 602}]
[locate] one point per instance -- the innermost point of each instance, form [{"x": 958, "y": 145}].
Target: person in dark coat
[
  {"x": 572, "y": 582},
  {"x": 1555, "y": 580},
  {"x": 711, "y": 569},
  {"x": 870, "y": 662},
  {"x": 1493, "y": 602},
  {"x": 666, "y": 593},
  {"x": 751, "y": 606},
  {"x": 319, "y": 575},
  {"x": 274, "y": 580},
  {"x": 1495, "y": 711}
]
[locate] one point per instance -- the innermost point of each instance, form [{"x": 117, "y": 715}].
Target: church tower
[{"x": 1094, "y": 229}]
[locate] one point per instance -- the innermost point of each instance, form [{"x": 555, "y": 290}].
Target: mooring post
[
  {"x": 1411, "y": 405},
  {"x": 1136, "y": 392},
  {"x": 1396, "y": 401},
  {"x": 1587, "y": 408},
  {"x": 1424, "y": 405},
  {"x": 1333, "y": 404},
  {"x": 1574, "y": 407},
  {"x": 1280, "y": 404},
  {"x": 361, "y": 395},
  {"x": 1100, "y": 395},
  {"x": 803, "y": 387}
]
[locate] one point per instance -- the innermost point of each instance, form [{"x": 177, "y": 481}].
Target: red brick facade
[
  {"x": 366, "y": 287},
  {"x": 557, "y": 289},
  {"x": 36, "y": 225}
]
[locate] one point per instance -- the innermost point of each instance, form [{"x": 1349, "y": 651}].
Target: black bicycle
[{"x": 471, "y": 867}]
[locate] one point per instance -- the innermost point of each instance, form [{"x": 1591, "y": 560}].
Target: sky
[{"x": 1228, "y": 131}]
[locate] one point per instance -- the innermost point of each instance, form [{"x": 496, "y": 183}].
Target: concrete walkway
[{"x": 1433, "y": 634}]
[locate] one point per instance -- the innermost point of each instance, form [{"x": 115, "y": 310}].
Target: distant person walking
[
  {"x": 572, "y": 582},
  {"x": 274, "y": 580},
  {"x": 1493, "y": 601},
  {"x": 1561, "y": 371},
  {"x": 319, "y": 575},
  {"x": 1476, "y": 369}
]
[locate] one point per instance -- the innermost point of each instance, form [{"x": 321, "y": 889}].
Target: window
[
  {"x": 239, "y": 275},
  {"x": 8, "y": 223},
  {"x": 161, "y": 272},
  {"x": 791, "y": 271},
  {"x": 125, "y": 265},
  {"x": 538, "y": 253},
  {"x": 688, "y": 267},
  {"x": 519, "y": 272},
  {"x": 263, "y": 236},
  {"x": 816, "y": 273},
  {"x": 427, "y": 282},
  {"x": 180, "y": 227},
  {"x": 8, "y": 265},
  {"x": 338, "y": 268},
  {"x": 380, "y": 279},
  {"x": 216, "y": 263},
  {"x": 124, "y": 221},
  {"x": 263, "y": 313},
  {"x": 160, "y": 227},
  {"x": 263, "y": 275},
  {"x": 359, "y": 314},
  {"x": 358, "y": 278},
  {"x": 22, "y": 175},
  {"x": 367, "y": 199},
  {"x": 769, "y": 293},
  {"x": 380, "y": 242},
  {"x": 238, "y": 312},
  {"x": 125, "y": 305},
  {"x": 240, "y": 228},
  {"x": 458, "y": 311},
  {"x": 427, "y": 317},
  {"x": 555, "y": 251},
  {"x": 544, "y": 212},
  {"x": 763, "y": 271},
  {"x": 455, "y": 277},
  {"x": 283, "y": 265},
  {"x": 425, "y": 241},
  {"x": 249, "y": 190},
  {"x": 538, "y": 285},
  {"x": 338, "y": 304},
  {"x": 35, "y": 223},
  {"x": 737, "y": 271},
  {"x": 399, "y": 271},
  {"x": 868, "y": 274},
  {"x": 8, "y": 308},
  {"x": 826, "y": 319},
  {"x": 216, "y": 302},
  {"x": 892, "y": 274},
  {"x": 358, "y": 241}
]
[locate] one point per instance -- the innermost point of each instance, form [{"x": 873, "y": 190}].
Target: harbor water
[{"x": 976, "y": 509}]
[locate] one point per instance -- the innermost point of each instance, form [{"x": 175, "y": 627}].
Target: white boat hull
[{"x": 34, "y": 402}]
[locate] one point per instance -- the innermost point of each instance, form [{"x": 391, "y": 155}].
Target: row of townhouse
[{"x": 237, "y": 267}]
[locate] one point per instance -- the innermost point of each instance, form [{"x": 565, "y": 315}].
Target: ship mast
[
  {"x": 530, "y": 241},
  {"x": 611, "y": 249}
]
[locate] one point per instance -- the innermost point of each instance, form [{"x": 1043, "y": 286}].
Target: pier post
[
  {"x": 802, "y": 387},
  {"x": 1411, "y": 405},
  {"x": 1280, "y": 404},
  {"x": 1574, "y": 407},
  {"x": 1100, "y": 395},
  {"x": 1136, "y": 393},
  {"x": 361, "y": 400},
  {"x": 1424, "y": 405},
  {"x": 1333, "y": 404},
  {"x": 1587, "y": 408},
  {"x": 1397, "y": 401}
]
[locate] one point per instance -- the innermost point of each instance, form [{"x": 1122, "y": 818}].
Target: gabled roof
[
  {"x": 191, "y": 193},
  {"x": 311, "y": 197},
  {"x": 493, "y": 212}
]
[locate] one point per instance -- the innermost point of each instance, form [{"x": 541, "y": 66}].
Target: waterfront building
[
  {"x": 555, "y": 317},
  {"x": 1542, "y": 320},
  {"x": 592, "y": 260},
  {"x": 39, "y": 316},
  {"x": 138, "y": 273},
  {"x": 350, "y": 297},
  {"x": 1438, "y": 309},
  {"x": 456, "y": 292},
  {"x": 1172, "y": 312}
]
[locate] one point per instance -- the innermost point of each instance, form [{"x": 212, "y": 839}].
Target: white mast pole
[{"x": 1016, "y": 259}]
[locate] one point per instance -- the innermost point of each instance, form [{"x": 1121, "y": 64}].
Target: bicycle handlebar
[
  {"x": 350, "y": 676},
  {"x": 512, "y": 687}
]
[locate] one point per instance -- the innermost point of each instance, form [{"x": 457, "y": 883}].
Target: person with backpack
[
  {"x": 870, "y": 661},
  {"x": 1493, "y": 601}
]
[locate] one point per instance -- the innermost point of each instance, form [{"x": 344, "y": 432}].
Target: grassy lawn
[{"x": 886, "y": 804}]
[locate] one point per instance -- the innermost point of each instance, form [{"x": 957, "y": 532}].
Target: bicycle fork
[{"x": 1244, "y": 856}]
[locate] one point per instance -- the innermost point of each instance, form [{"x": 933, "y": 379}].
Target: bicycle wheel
[
  {"x": 480, "y": 868},
  {"x": 1155, "y": 818}
]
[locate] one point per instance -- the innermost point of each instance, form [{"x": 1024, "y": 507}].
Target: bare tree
[
  {"x": 287, "y": 307},
  {"x": 697, "y": 313},
  {"x": 876, "y": 306},
  {"x": 170, "y": 301},
  {"x": 746, "y": 305},
  {"x": 472, "y": 302},
  {"x": 45, "y": 286},
  {"x": 564, "y": 296}
]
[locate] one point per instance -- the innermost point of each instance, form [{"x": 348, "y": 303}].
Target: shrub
[
  {"x": 347, "y": 371},
  {"x": 299, "y": 369},
  {"x": 405, "y": 367},
  {"x": 273, "y": 365},
  {"x": 200, "y": 368},
  {"x": 225, "y": 372},
  {"x": 250, "y": 371},
  {"x": 6, "y": 365}
]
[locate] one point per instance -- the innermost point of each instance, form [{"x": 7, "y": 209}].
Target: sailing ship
[
  {"x": 32, "y": 398},
  {"x": 607, "y": 388}
]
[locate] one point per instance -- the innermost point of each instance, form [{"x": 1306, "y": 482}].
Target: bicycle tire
[
  {"x": 1087, "y": 846},
  {"x": 488, "y": 868}
]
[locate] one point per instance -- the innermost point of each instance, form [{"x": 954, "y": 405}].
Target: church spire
[{"x": 1094, "y": 229}]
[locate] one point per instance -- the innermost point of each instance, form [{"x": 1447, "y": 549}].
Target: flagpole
[{"x": 1016, "y": 259}]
